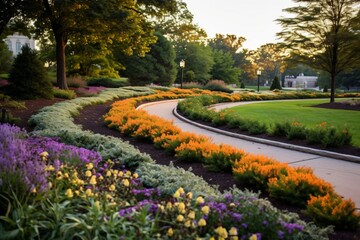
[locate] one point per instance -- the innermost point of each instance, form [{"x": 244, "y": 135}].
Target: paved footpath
[{"x": 343, "y": 175}]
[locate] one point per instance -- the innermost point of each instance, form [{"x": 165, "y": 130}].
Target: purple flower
[{"x": 280, "y": 234}]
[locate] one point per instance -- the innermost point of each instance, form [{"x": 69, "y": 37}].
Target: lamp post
[
  {"x": 182, "y": 65},
  {"x": 258, "y": 72}
]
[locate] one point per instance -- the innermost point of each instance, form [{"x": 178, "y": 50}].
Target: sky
[{"x": 252, "y": 19}]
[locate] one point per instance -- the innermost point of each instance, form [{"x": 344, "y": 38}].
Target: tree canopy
[{"x": 323, "y": 34}]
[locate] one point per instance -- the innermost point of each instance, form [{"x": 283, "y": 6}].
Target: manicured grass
[{"x": 303, "y": 112}]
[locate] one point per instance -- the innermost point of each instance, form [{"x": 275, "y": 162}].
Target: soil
[{"x": 91, "y": 119}]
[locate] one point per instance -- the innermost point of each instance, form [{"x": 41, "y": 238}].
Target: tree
[
  {"x": 275, "y": 84},
  {"x": 28, "y": 78},
  {"x": 88, "y": 22},
  {"x": 5, "y": 58},
  {"x": 157, "y": 66},
  {"x": 323, "y": 34},
  {"x": 229, "y": 43},
  {"x": 8, "y": 10},
  {"x": 223, "y": 68},
  {"x": 199, "y": 61}
]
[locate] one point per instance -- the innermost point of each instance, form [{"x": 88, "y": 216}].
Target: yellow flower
[
  {"x": 108, "y": 173},
  {"x": 253, "y": 237},
  {"x": 49, "y": 168},
  {"x": 88, "y": 173},
  {"x": 221, "y": 232},
  {"x": 50, "y": 184},
  {"x": 90, "y": 166},
  {"x": 69, "y": 193},
  {"x": 97, "y": 205},
  {"x": 59, "y": 175},
  {"x": 125, "y": 182},
  {"x": 112, "y": 187},
  {"x": 77, "y": 192},
  {"x": 187, "y": 224},
  {"x": 66, "y": 175},
  {"x": 34, "y": 190},
  {"x": 89, "y": 193},
  {"x": 44, "y": 156},
  {"x": 135, "y": 175},
  {"x": 191, "y": 215},
  {"x": 232, "y": 205},
  {"x": 161, "y": 207},
  {"x": 202, "y": 223},
  {"x": 200, "y": 200},
  {"x": 168, "y": 205},
  {"x": 189, "y": 195},
  {"x": 233, "y": 233},
  {"x": 93, "y": 180},
  {"x": 181, "y": 207},
  {"x": 176, "y": 194},
  {"x": 205, "y": 210},
  {"x": 120, "y": 173},
  {"x": 180, "y": 218},
  {"x": 170, "y": 232},
  {"x": 101, "y": 178},
  {"x": 181, "y": 190},
  {"x": 128, "y": 173}
]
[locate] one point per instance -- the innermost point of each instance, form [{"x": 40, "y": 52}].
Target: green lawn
[{"x": 303, "y": 112}]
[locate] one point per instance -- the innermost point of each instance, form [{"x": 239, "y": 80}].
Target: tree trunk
[
  {"x": 60, "y": 60},
  {"x": 332, "y": 83}
]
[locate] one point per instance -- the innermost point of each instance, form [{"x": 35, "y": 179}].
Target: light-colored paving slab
[{"x": 343, "y": 175}]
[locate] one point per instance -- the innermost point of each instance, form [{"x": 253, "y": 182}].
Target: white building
[
  {"x": 16, "y": 41},
  {"x": 300, "y": 81}
]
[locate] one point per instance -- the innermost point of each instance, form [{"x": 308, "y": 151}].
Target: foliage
[
  {"x": 323, "y": 35},
  {"x": 82, "y": 190},
  {"x": 217, "y": 85},
  {"x": 27, "y": 78},
  {"x": 156, "y": 67},
  {"x": 275, "y": 84},
  {"x": 108, "y": 82},
  {"x": 199, "y": 61},
  {"x": 223, "y": 67},
  {"x": 62, "y": 93},
  {"x": 5, "y": 58},
  {"x": 331, "y": 209}
]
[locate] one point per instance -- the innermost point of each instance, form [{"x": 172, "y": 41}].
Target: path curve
[{"x": 343, "y": 175}]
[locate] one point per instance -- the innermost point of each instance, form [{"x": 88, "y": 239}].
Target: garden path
[{"x": 343, "y": 175}]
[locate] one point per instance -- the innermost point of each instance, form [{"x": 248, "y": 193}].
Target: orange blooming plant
[{"x": 296, "y": 185}]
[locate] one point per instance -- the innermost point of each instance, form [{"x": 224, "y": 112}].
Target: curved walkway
[{"x": 343, "y": 175}]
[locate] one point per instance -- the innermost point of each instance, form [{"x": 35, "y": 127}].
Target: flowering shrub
[
  {"x": 89, "y": 198},
  {"x": 280, "y": 180},
  {"x": 332, "y": 209}
]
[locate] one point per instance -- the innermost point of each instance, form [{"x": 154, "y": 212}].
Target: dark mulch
[
  {"x": 339, "y": 105},
  {"x": 91, "y": 119}
]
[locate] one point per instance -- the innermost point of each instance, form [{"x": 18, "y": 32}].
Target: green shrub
[
  {"x": 279, "y": 129},
  {"x": 217, "y": 85},
  {"x": 256, "y": 127},
  {"x": 28, "y": 78},
  {"x": 108, "y": 82},
  {"x": 275, "y": 84},
  {"x": 296, "y": 131},
  {"x": 65, "y": 94},
  {"x": 336, "y": 138}
]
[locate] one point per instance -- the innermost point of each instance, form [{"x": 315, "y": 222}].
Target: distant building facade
[
  {"x": 300, "y": 81},
  {"x": 16, "y": 41}
]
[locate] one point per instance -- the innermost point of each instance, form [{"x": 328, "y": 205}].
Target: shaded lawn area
[{"x": 303, "y": 112}]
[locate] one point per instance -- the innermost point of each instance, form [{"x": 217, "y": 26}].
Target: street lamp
[
  {"x": 182, "y": 65},
  {"x": 258, "y": 72}
]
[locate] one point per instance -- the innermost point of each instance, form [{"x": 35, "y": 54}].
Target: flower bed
[
  {"x": 62, "y": 192},
  {"x": 280, "y": 180}
]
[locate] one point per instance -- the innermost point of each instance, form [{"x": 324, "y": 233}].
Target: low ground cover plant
[{"x": 64, "y": 192}]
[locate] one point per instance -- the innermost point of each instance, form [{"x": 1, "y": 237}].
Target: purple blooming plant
[{"x": 20, "y": 171}]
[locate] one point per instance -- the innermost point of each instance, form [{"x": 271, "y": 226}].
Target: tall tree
[
  {"x": 229, "y": 43},
  {"x": 89, "y": 22},
  {"x": 199, "y": 61},
  {"x": 323, "y": 34},
  {"x": 157, "y": 66},
  {"x": 8, "y": 10},
  {"x": 223, "y": 68}
]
